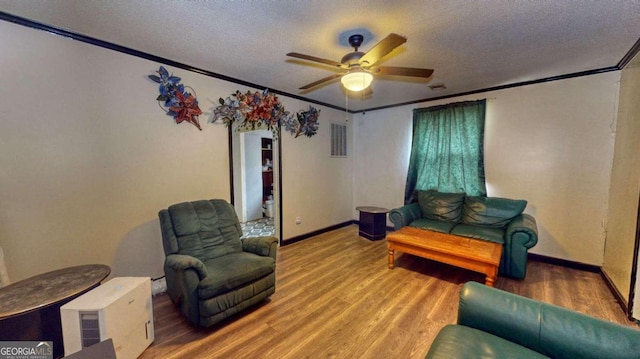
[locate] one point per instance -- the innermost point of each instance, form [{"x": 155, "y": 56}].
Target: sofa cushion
[
  {"x": 229, "y": 272},
  {"x": 495, "y": 235},
  {"x": 441, "y": 206},
  {"x": 459, "y": 341},
  {"x": 491, "y": 211},
  {"x": 433, "y": 225}
]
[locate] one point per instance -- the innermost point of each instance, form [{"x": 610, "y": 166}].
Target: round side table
[{"x": 30, "y": 308}]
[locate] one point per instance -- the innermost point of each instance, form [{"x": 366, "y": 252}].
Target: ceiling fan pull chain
[{"x": 346, "y": 107}]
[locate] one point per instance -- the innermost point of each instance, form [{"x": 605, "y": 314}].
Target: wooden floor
[{"x": 336, "y": 298}]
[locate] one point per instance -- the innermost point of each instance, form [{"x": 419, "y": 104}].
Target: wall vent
[{"x": 338, "y": 140}]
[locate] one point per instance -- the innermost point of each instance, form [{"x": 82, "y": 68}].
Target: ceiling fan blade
[
  {"x": 401, "y": 71},
  {"x": 382, "y": 48},
  {"x": 321, "y": 81},
  {"x": 316, "y": 59}
]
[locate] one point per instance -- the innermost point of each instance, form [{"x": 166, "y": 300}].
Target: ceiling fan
[{"x": 357, "y": 68}]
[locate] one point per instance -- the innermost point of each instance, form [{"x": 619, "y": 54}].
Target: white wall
[
  {"x": 319, "y": 185},
  {"x": 382, "y": 146},
  {"x": 625, "y": 185},
  {"x": 88, "y": 158},
  {"x": 548, "y": 143}
]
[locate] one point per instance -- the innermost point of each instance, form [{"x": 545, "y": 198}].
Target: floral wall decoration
[
  {"x": 305, "y": 123},
  {"x": 253, "y": 111},
  {"x": 181, "y": 105}
]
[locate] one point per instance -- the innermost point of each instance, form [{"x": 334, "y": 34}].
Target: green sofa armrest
[
  {"x": 526, "y": 225},
  {"x": 403, "y": 216},
  {"x": 262, "y": 246},
  {"x": 520, "y": 235},
  {"x": 547, "y": 329}
]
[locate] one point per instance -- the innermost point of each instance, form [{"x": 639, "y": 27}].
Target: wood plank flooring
[{"x": 336, "y": 298}]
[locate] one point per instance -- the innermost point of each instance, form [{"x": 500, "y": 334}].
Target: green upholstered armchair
[{"x": 211, "y": 273}]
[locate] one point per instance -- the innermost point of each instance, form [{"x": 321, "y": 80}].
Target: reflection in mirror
[{"x": 255, "y": 173}]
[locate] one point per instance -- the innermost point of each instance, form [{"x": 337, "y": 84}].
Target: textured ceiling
[{"x": 471, "y": 45}]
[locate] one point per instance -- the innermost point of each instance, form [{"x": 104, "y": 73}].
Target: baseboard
[
  {"x": 565, "y": 263},
  {"x": 616, "y": 293},
  {"x": 299, "y": 238}
]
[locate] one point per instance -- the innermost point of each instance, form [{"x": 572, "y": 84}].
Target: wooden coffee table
[{"x": 473, "y": 254}]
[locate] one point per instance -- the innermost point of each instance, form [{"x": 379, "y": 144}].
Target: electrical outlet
[{"x": 298, "y": 220}]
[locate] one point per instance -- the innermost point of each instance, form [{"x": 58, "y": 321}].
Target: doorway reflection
[{"x": 254, "y": 158}]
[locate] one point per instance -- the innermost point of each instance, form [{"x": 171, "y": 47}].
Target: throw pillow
[
  {"x": 491, "y": 211},
  {"x": 441, "y": 206}
]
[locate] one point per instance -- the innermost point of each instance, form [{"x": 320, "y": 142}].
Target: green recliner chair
[{"x": 211, "y": 272}]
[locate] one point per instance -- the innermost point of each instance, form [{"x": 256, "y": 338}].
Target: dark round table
[{"x": 30, "y": 308}]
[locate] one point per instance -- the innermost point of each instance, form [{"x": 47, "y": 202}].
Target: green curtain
[{"x": 447, "y": 149}]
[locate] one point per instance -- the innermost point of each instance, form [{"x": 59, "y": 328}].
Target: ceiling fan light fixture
[{"x": 356, "y": 80}]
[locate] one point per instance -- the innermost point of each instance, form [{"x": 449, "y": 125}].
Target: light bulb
[{"x": 356, "y": 80}]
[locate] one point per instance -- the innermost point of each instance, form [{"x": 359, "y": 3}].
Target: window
[
  {"x": 338, "y": 140},
  {"x": 447, "y": 150}
]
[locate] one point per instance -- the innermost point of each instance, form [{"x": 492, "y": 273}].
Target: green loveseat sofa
[
  {"x": 493, "y": 219},
  {"x": 211, "y": 272},
  {"x": 496, "y": 324}
]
